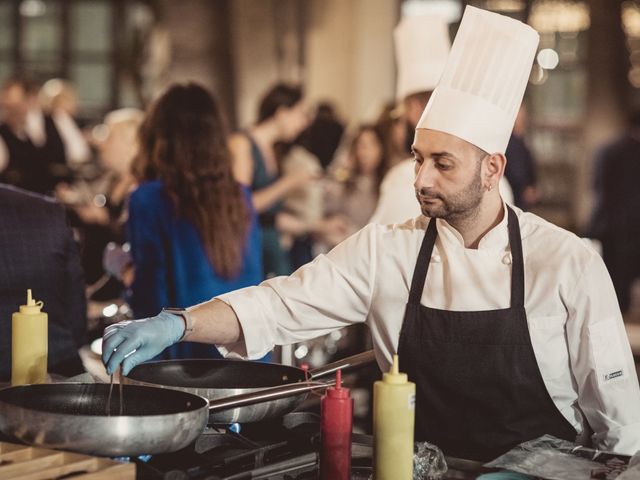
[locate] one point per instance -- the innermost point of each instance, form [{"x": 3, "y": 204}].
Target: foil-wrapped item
[{"x": 428, "y": 462}]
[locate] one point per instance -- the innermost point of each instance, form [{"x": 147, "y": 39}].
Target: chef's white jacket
[{"x": 574, "y": 320}]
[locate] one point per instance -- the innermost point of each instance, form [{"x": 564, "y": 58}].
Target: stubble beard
[{"x": 458, "y": 207}]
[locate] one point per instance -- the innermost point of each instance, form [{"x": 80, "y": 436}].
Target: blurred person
[
  {"x": 282, "y": 116},
  {"x": 307, "y": 225},
  {"x": 193, "y": 231},
  {"x": 357, "y": 196},
  {"x": 33, "y": 152},
  {"x": 99, "y": 210},
  {"x": 28, "y": 149},
  {"x": 393, "y": 127},
  {"x": 59, "y": 99},
  {"x": 38, "y": 252},
  {"x": 616, "y": 217},
  {"x": 322, "y": 137},
  {"x": 521, "y": 166},
  {"x": 305, "y": 204},
  {"x": 421, "y": 54}
]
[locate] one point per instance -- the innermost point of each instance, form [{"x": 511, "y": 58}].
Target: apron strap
[
  {"x": 422, "y": 265},
  {"x": 517, "y": 261}
]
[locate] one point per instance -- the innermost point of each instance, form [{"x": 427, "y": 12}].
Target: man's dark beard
[{"x": 455, "y": 207}]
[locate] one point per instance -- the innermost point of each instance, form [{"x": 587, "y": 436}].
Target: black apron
[{"x": 479, "y": 391}]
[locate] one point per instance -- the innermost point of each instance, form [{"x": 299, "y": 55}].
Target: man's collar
[{"x": 495, "y": 239}]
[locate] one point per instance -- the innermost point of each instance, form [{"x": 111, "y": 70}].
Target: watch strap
[{"x": 186, "y": 317}]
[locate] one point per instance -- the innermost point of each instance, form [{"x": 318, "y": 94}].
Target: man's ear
[{"x": 494, "y": 167}]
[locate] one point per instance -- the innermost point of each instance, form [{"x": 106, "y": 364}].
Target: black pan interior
[
  {"x": 91, "y": 399},
  {"x": 216, "y": 374}
]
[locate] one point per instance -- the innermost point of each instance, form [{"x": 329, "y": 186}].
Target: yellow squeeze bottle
[
  {"x": 29, "y": 344},
  {"x": 394, "y": 399}
]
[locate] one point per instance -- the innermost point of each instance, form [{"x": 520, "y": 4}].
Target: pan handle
[
  {"x": 273, "y": 393},
  {"x": 349, "y": 363}
]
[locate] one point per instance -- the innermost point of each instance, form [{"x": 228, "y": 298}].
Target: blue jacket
[{"x": 171, "y": 266}]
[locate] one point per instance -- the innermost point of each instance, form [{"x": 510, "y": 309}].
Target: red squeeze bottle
[{"x": 336, "y": 417}]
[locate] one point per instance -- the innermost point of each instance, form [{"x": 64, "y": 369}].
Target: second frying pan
[{"x": 218, "y": 379}]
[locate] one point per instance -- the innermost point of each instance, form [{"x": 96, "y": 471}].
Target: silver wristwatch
[{"x": 186, "y": 317}]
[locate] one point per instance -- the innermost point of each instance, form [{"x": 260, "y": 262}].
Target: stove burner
[{"x": 281, "y": 449}]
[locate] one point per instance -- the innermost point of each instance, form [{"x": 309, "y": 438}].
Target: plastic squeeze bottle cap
[
  {"x": 32, "y": 307},
  {"x": 338, "y": 391},
  {"x": 394, "y": 375}
]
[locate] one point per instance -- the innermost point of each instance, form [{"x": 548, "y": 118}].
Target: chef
[
  {"x": 422, "y": 46},
  {"x": 508, "y": 324}
]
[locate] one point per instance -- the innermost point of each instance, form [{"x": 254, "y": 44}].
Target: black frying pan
[
  {"x": 72, "y": 416},
  {"x": 218, "y": 379}
]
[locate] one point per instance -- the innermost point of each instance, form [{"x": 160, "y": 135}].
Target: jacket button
[{"x": 506, "y": 259}]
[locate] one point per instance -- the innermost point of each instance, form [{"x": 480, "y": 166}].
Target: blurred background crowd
[{"x": 253, "y": 135}]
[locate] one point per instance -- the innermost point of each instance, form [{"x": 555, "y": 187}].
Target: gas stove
[{"x": 283, "y": 449}]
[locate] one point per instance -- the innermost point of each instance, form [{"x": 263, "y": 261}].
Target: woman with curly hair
[{"x": 192, "y": 227}]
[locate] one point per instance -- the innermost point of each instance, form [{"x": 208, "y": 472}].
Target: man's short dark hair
[{"x": 281, "y": 95}]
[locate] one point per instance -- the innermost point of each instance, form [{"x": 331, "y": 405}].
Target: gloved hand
[
  {"x": 132, "y": 342},
  {"x": 116, "y": 258}
]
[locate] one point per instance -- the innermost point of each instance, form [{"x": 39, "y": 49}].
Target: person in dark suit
[
  {"x": 37, "y": 251},
  {"x": 32, "y": 147},
  {"x": 616, "y": 217}
]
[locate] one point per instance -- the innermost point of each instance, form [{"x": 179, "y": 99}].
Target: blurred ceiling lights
[
  {"x": 505, "y": 6},
  {"x": 631, "y": 25},
  {"x": 450, "y": 10},
  {"x": 558, "y": 22},
  {"x": 32, "y": 8},
  {"x": 563, "y": 16}
]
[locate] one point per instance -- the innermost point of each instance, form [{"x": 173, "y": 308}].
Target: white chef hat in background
[
  {"x": 422, "y": 46},
  {"x": 481, "y": 88}
]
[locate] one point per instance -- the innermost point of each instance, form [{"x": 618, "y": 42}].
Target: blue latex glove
[{"x": 132, "y": 342}]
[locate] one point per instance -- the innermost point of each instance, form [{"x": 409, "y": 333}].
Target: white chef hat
[
  {"x": 484, "y": 80},
  {"x": 422, "y": 45}
]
